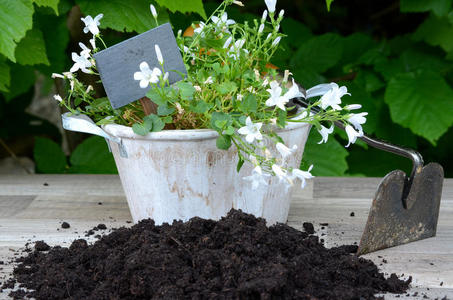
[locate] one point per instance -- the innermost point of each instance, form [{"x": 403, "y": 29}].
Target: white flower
[
  {"x": 235, "y": 49},
  {"x": 270, "y": 5},
  {"x": 281, "y": 174},
  {"x": 153, "y": 11},
  {"x": 319, "y": 90},
  {"x": 303, "y": 175},
  {"x": 85, "y": 50},
  {"x": 268, "y": 36},
  {"x": 273, "y": 121},
  {"x": 277, "y": 99},
  {"x": 276, "y": 41},
  {"x": 324, "y": 132},
  {"x": 91, "y": 24},
  {"x": 146, "y": 76},
  {"x": 89, "y": 89},
  {"x": 265, "y": 82},
  {"x": 256, "y": 178},
  {"x": 357, "y": 120},
  {"x": 71, "y": 83},
  {"x": 264, "y": 16},
  {"x": 56, "y": 75},
  {"x": 227, "y": 42},
  {"x": 239, "y": 97},
  {"x": 352, "y": 106},
  {"x": 165, "y": 76},
  {"x": 223, "y": 22},
  {"x": 333, "y": 97},
  {"x": 93, "y": 43},
  {"x": 352, "y": 134},
  {"x": 282, "y": 12},
  {"x": 68, "y": 75},
  {"x": 239, "y": 3},
  {"x": 58, "y": 98},
  {"x": 285, "y": 151},
  {"x": 251, "y": 130},
  {"x": 261, "y": 28},
  {"x": 80, "y": 62},
  {"x": 208, "y": 80},
  {"x": 197, "y": 88},
  {"x": 199, "y": 29},
  {"x": 159, "y": 54},
  {"x": 185, "y": 49}
]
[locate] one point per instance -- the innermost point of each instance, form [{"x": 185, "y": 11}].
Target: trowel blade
[{"x": 390, "y": 223}]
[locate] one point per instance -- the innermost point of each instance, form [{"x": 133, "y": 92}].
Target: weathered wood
[{"x": 31, "y": 211}]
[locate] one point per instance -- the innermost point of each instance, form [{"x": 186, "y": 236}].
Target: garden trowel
[{"x": 405, "y": 208}]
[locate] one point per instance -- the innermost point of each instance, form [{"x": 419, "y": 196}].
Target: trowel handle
[{"x": 414, "y": 156}]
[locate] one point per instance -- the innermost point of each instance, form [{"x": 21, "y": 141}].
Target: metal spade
[{"x": 405, "y": 208}]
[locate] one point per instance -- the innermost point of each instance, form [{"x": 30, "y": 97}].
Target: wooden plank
[{"x": 32, "y": 211}]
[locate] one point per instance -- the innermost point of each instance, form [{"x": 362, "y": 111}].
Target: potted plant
[{"x": 225, "y": 136}]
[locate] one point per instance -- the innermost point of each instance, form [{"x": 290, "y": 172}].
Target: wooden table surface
[{"x": 32, "y": 208}]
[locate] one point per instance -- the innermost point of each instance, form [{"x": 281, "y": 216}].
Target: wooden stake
[{"x": 149, "y": 107}]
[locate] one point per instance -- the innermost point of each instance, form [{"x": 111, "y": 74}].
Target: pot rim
[{"x": 126, "y": 132}]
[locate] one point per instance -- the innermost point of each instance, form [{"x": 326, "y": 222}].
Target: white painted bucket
[{"x": 180, "y": 174}]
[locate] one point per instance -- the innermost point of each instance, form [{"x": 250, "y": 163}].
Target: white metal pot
[{"x": 180, "y": 174}]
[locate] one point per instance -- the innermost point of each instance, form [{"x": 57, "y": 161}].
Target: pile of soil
[{"x": 236, "y": 257}]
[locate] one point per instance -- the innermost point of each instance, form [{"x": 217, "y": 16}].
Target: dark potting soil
[{"x": 237, "y": 257}]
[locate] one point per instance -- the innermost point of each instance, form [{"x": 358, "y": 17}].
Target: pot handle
[{"x": 82, "y": 123}]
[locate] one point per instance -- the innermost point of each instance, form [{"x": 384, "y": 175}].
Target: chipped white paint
[{"x": 179, "y": 174}]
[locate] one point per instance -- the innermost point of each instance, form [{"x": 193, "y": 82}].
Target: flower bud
[{"x": 153, "y": 11}]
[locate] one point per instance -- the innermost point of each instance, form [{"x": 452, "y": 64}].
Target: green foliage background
[{"x": 395, "y": 57}]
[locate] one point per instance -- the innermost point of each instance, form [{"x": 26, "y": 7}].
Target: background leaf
[
  {"x": 15, "y": 20},
  {"x": 184, "y": 6},
  {"x": 92, "y": 156},
  {"x": 49, "y": 157},
  {"x": 439, "y": 7},
  {"x": 4, "y": 76},
  {"x": 31, "y": 50},
  {"x": 328, "y": 159},
  {"x": 421, "y": 101},
  {"x": 50, "y": 3},
  {"x": 123, "y": 15},
  {"x": 436, "y": 32}
]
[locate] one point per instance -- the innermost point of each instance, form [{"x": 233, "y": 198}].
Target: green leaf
[
  {"x": 328, "y": 159},
  {"x": 297, "y": 33},
  {"x": 241, "y": 162},
  {"x": 328, "y": 3},
  {"x": 421, "y": 101},
  {"x": 141, "y": 129},
  {"x": 281, "y": 118},
  {"x": 15, "y": 21},
  {"x": 50, "y": 3},
  {"x": 249, "y": 104},
  {"x": 123, "y": 15},
  {"x": 200, "y": 107},
  {"x": 439, "y": 7},
  {"x": 22, "y": 79},
  {"x": 92, "y": 156},
  {"x": 223, "y": 142},
  {"x": 184, "y": 6},
  {"x": 164, "y": 110},
  {"x": 154, "y": 96},
  {"x": 5, "y": 76},
  {"x": 219, "y": 117},
  {"x": 355, "y": 45},
  {"x": 436, "y": 32},
  {"x": 56, "y": 38},
  {"x": 226, "y": 87},
  {"x": 154, "y": 123},
  {"x": 369, "y": 80},
  {"x": 186, "y": 90},
  {"x": 319, "y": 53},
  {"x": 49, "y": 157},
  {"x": 31, "y": 50}
]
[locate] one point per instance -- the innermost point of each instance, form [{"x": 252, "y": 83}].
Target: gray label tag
[{"x": 117, "y": 64}]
